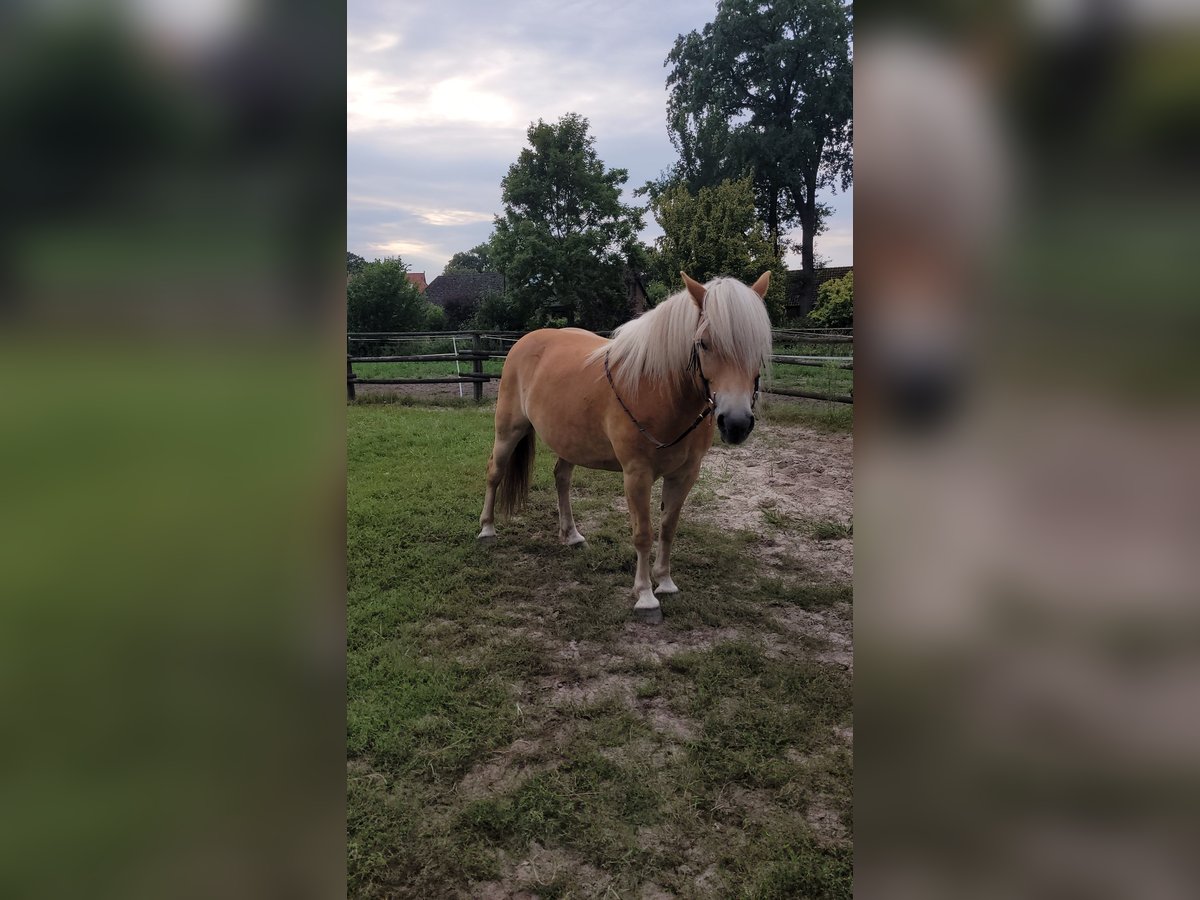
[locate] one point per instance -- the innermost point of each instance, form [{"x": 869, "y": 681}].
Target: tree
[
  {"x": 835, "y": 303},
  {"x": 716, "y": 232},
  {"x": 354, "y": 263},
  {"x": 381, "y": 298},
  {"x": 565, "y": 237},
  {"x": 766, "y": 89},
  {"x": 498, "y": 310},
  {"x": 477, "y": 259}
]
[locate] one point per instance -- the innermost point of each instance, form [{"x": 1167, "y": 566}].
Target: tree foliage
[
  {"x": 477, "y": 259},
  {"x": 565, "y": 236},
  {"x": 715, "y": 232},
  {"x": 381, "y": 298},
  {"x": 766, "y": 89},
  {"x": 500, "y": 310},
  {"x": 835, "y": 303},
  {"x": 354, "y": 263}
]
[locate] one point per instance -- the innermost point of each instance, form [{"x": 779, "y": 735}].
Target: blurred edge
[
  {"x": 172, "y": 225},
  {"x": 1027, "y": 631}
]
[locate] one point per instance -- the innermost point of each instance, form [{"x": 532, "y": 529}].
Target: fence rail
[{"x": 477, "y": 355}]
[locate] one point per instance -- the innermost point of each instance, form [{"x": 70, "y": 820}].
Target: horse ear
[
  {"x": 695, "y": 288},
  {"x": 764, "y": 281}
]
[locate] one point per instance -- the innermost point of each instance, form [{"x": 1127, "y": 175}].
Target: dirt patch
[
  {"x": 655, "y": 645},
  {"x": 448, "y": 391},
  {"x": 562, "y": 690},
  {"x": 779, "y": 482},
  {"x": 538, "y": 869},
  {"x": 829, "y": 629},
  {"x": 503, "y": 771}
]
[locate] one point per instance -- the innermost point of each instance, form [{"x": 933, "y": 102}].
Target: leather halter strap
[
  {"x": 709, "y": 402},
  {"x": 709, "y": 405}
]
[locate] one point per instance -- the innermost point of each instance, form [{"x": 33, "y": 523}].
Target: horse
[{"x": 680, "y": 370}]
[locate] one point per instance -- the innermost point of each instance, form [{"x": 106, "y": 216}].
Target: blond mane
[{"x": 657, "y": 346}]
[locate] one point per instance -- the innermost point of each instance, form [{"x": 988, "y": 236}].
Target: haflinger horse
[{"x": 644, "y": 403}]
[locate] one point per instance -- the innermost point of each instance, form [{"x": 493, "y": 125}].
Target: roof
[
  {"x": 796, "y": 276},
  {"x": 463, "y": 287},
  {"x": 418, "y": 278}
]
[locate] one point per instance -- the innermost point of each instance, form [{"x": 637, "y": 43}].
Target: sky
[{"x": 440, "y": 95}]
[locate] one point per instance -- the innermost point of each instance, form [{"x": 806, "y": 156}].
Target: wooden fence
[{"x": 478, "y": 354}]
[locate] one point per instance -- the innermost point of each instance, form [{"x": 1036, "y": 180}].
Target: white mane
[{"x": 657, "y": 346}]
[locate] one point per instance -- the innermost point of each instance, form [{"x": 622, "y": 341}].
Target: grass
[
  {"x": 455, "y": 654},
  {"x": 826, "y": 378},
  {"x": 817, "y": 529}
]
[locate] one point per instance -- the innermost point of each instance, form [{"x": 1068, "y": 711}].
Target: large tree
[
  {"x": 565, "y": 236},
  {"x": 381, "y": 298},
  {"x": 477, "y": 259},
  {"x": 715, "y": 232},
  {"x": 766, "y": 89}
]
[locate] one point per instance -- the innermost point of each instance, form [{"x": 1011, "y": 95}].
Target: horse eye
[{"x": 704, "y": 345}]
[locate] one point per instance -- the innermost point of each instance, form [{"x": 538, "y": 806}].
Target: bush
[
  {"x": 380, "y": 297},
  {"x": 835, "y": 303},
  {"x": 501, "y": 312},
  {"x": 435, "y": 318}
]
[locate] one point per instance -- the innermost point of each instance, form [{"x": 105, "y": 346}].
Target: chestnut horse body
[{"x": 645, "y": 404}]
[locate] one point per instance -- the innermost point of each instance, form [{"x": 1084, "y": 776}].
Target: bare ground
[{"x": 782, "y": 479}]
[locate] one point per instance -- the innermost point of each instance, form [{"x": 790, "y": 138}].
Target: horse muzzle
[{"x": 734, "y": 427}]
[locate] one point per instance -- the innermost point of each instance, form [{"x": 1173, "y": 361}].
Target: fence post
[
  {"x": 350, "y": 379},
  {"x": 477, "y": 364}
]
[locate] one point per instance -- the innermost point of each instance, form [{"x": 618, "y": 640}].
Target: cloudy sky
[{"x": 440, "y": 95}]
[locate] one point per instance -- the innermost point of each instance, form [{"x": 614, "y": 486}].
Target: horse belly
[
  {"x": 579, "y": 439},
  {"x": 564, "y": 400}
]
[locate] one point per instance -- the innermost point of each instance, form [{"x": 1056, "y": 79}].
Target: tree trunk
[
  {"x": 808, "y": 230},
  {"x": 773, "y": 223}
]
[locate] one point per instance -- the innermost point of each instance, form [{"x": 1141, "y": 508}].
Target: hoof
[
  {"x": 666, "y": 586},
  {"x": 647, "y": 609},
  {"x": 487, "y": 536},
  {"x": 649, "y": 616},
  {"x": 575, "y": 539}
]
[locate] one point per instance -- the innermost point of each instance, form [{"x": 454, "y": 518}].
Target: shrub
[
  {"x": 835, "y": 303},
  {"x": 380, "y": 297}
]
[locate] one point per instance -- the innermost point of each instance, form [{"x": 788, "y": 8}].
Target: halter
[{"x": 693, "y": 364}]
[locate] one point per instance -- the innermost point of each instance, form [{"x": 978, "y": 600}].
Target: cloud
[
  {"x": 421, "y": 213},
  {"x": 439, "y": 97}
]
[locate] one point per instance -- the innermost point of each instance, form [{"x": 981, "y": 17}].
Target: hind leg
[
  {"x": 567, "y": 532},
  {"x": 510, "y": 431}
]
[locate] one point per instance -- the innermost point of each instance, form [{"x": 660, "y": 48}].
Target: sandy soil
[{"x": 793, "y": 473}]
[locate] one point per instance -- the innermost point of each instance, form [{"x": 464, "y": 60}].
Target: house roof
[
  {"x": 418, "y": 278},
  {"x": 463, "y": 287}
]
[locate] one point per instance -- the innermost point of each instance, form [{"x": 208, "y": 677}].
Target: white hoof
[
  {"x": 488, "y": 534},
  {"x": 666, "y": 586},
  {"x": 647, "y": 609},
  {"x": 574, "y": 539}
]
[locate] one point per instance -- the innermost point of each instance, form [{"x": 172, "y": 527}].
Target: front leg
[
  {"x": 637, "y": 493},
  {"x": 675, "y": 490}
]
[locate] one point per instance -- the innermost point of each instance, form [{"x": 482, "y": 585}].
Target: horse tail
[{"x": 514, "y": 478}]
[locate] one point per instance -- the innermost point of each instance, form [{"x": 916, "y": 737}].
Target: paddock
[{"x": 512, "y": 733}]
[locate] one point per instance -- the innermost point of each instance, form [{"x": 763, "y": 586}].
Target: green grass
[
  {"x": 422, "y": 369},
  {"x": 818, "y": 529},
  {"x": 826, "y": 378},
  {"x": 455, "y": 652}
]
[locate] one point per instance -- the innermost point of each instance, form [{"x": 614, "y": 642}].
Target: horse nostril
[{"x": 721, "y": 420}]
